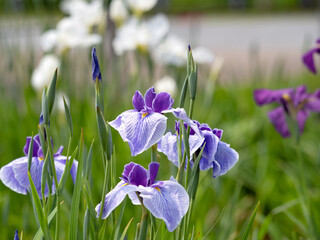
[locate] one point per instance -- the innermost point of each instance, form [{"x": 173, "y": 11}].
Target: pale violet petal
[
  {"x": 209, "y": 151},
  {"x": 168, "y": 146},
  {"x": 170, "y": 202},
  {"x": 225, "y": 159},
  {"x": 115, "y": 197}
]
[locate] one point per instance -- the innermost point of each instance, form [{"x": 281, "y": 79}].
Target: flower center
[
  {"x": 158, "y": 189},
  {"x": 40, "y": 158},
  {"x": 144, "y": 114}
]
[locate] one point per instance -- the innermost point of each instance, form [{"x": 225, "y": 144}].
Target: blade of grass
[{"x": 249, "y": 226}]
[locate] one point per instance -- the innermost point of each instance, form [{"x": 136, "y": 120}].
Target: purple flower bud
[{"x": 96, "y": 74}]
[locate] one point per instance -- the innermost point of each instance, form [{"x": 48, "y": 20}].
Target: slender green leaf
[
  {"x": 39, "y": 234},
  {"x": 125, "y": 230},
  {"x": 52, "y": 91},
  {"x": 45, "y": 107},
  {"x": 30, "y": 153},
  {"x": 76, "y": 194},
  {"x": 68, "y": 117},
  {"x": 249, "y": 226},
  {"x": 117, "y": 228},
  {"x": 89, "y": 162},
  {"x": 43, "y": 223}
]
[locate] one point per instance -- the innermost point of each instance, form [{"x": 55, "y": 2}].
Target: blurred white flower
[
  {"x": 89, "y": 14},
  {"x": 171, "y": 51},
  {"x": 118, "y": 11},
  {"x": 144, "y": 35},
  {"x": 43, "y": 74},
  {"x": 166, "y": 84},
  {"x": 202, "y": 55},
  {"x": 59, "y": 104},
  {"x": 141, "y": 6},
  {"x": 69, "y": 33},
  {"x": 174, "y": 51}
]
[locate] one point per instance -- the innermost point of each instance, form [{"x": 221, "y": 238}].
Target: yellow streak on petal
[
  {"x": 158, "y": 189},
  {"x": 40, "y": 158},
  {"x": 144, "y": 114},
  {"x": 124, "y": 184}
]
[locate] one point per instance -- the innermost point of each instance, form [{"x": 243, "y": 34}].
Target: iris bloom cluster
[
  {"x": 166, "y": 200},
  {"x": 15, "y": 174},
  {"x": 294, "y": 103},
  {"x": 216, "y": 154},
  {"x": 144, "y": 125}
]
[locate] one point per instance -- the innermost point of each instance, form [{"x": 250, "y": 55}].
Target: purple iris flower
[
  {"x": 295, "y": 103},
  {"x": 216, "y": 154},
  {"x": 15, "y": 174},
  {"x": 144, "y": 125},
  {"x": 96, "y": 74},
  {"x": 166, "y": 200},
  {"x": 307, "y": 58}
]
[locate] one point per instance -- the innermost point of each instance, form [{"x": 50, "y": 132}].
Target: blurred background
[{"x": 251, "y": 44}]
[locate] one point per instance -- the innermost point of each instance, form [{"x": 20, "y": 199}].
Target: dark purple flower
[
  {"x": 144, "y": 125},
  {"x": 96, "y": 74},
  {"x": 166, "y": 200},
  {"x": 216, "y": 154},
  {"x": 14, "y": 175},
  {"x": 295, "y": 103},
  {"x": 307, "y": 58}
]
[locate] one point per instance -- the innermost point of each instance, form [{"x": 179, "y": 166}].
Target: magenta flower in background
[
  {"x": 144, "y": 125},
  {"x": 166, "y": 200},
  {"x": 295, "y": 103},
  {"x": 216, "y": 154},
  {"x": 308, "y": 59},
  {"x": 15, "y": 174}
]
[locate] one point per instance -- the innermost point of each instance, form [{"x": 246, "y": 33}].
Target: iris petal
[
  {"x": 278, "y": 119},
  {"x": 225, "y": 159},
  {"x": 308, "y": 61},
  {"x": 209, "y": 151},
  {"x": 266, "y": 96},
  {"x": 170, "y": 203},
  {"x": 138, "y": 176},
  {"x": 114, "y": 198},
  {"x": 140, "y": 132},
  {"x": 150, "y": 96},
  {"x": 153, "y": 171},
  {"x": 138, "y": 101},
  {"x": 74, "y": 167},
  {"x": 162, "y": 101},
  {"x": 302, "y": 117},
  {"x": 8, "y": 178}
]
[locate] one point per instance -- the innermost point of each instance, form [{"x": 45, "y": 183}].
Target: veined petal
[
  {"x": 170, "y": 202},
  {"x": 266, "y": 96},
  {"x": 114, "y": 198},
  {"x": 8, "y": 178},
  {"x": 138, "y": 101},
  {"x": 278, "y": 119},
  {"x": 225, "y": 159},
  {"x": 153, "y": 171},
  {"x": 168, "y": 146},
  {"x": 162, "y": 101},
  {"x": 209, "y": 151},
  {"x": 140, "y": 132}
]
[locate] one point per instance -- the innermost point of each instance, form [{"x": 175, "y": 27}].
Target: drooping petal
[
  {"x": 302, "y": 117},
  {"x": 162, "y": 101},
  {"x": 138, "y": 176},
  {"x": 266, "y": 96},
  {"x": 138, "y": 101},
  {"x": 8, "y": 178},
  {"x": 313, "y": 103},
  {"x": 225, "y": 159},
  {"x": 211, "y": 145},
  {"x": 308, "y": 60},
  {"x": 300, "y": 95},
  {"x": 115, "y": 197},
  {"x": 58, "y": 153},
  {"x": 149, "y": 96},
  {"x": 153, "y": 171},
  {"x": 278, "y": 119},
  {"x": 168, "y": 146},
  {"x": 140, "y": 132},
  {"x": 170, "y": 202}
]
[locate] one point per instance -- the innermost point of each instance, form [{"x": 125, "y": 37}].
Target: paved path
[{"x": 249, "y": 41}]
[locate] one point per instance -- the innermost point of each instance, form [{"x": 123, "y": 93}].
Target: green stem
[
  {"x": 154, "y": 157},
  {"x": 105, "y": 186}
]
